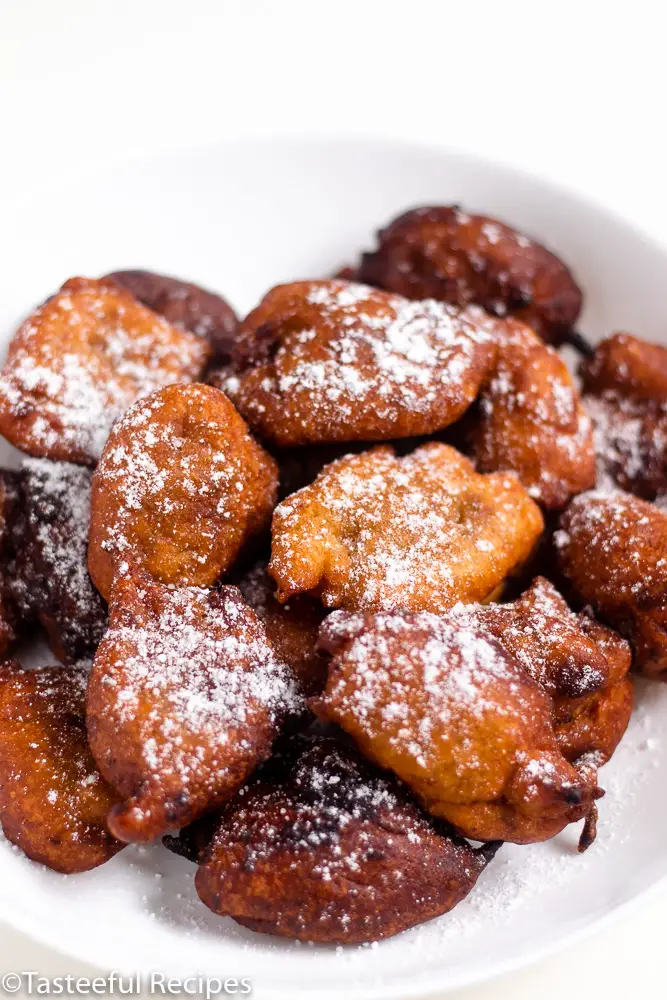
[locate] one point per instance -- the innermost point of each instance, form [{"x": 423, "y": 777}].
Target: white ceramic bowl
[{"x": 239, "y": 219}]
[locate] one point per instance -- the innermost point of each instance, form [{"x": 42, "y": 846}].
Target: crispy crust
[
  {"x": 180, "y": 487},
  {"x": 79, "y": 361},
  {"x": 610, "y": 549},
  {"x": 443, "y": 705},
  {"x": 321, "y": 847},
  {"x": 375, "y": 531},
  {"x": 53, "y": 801},
  {"x": 327, "y": 361},
  {"x": 444, "y": 253},
  {"x": 186, "y": 306},
  {"x": 531, "y": 420},
  {"x": 185, "y": 698}
]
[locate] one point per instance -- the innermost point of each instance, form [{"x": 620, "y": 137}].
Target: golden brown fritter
[
  {"x": 422, "y": 532},
  {"x": 185, "y": 698},
  {"x": 180, "y": 487},
  {"x": 186, "y": 306},
  {"x": 51, "y": 582},
  {"x": 569, "y": 655},
  {"x": 80, "y": 360},
  {"x": 628, "y": 365},
  {"x": 53, "y": 800},
  {"x": 611, "y": 549},
  {"x": 625, "y": 393},
  {"x": 321, "y": 847},
  {"x": 531, "y": 420},
  {"x": 291, "y": 628},
  {"x": 594, "y": 725},
  {"x": 443, "y": 253},
  {"x": 445, "y": 707},
  {"x": 326, "y": 361},
  {"x": 580, "y": 663},
  {"x": 11, "y": 533}
]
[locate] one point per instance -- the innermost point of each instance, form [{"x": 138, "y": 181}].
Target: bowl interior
[{"x": 240, "y": 218}]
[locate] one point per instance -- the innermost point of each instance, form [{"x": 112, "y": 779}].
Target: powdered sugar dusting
[
  {"x": 192, "y": 681},
  {"x": 410, "y": 527},
  {"x": 81, "y": 359},
  {"x": 52, "y": 579},
  {"x": 630, "y": 444},
  {"x": 363, "y": 359}
]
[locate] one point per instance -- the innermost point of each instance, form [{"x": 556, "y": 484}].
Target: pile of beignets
[{"x": 334, "y": 589}]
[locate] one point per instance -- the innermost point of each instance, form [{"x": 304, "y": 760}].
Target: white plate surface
[{"x": 240, "y": 219}]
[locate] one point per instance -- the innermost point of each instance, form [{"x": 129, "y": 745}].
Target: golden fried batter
[
  {"x": 611, "y": 550},
  {"x": 446, "y": 708},
  {"x": 185, "y": 698},
  {"x": 51, "y": 582},
  {"x": 422, "y": 532},
  {"x": 580, "y": 663},
  {"x": 53, "y": 800},
  {"x": 324, "y": 361},
  {"x": 531, "y": 420},
  {"x": 11, "y": 532},
  {"x": 80, "y": 360},
  {"x": 180, "y": 487},
  {"x": 186, "y": 306},
  {"x": 291, "y": 628},
  {"x": 625, "y": 386},
  {"x": 446, "y": 254},
  {"x": 321, "y": 847}
]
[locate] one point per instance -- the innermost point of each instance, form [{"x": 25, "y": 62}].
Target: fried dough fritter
[
  {"x": 291, "y": 628},
  {"x": 53, "y": 800},
  {"x": 377, "y": 532},
  {"x": 186, "y": 306},
  {"x": 625, "y": 393},
  {"x": 321, "y": 847},
  {"x": 327, "y": 361},
  {"x": 443, "y": 253},
  {"x": 11, "y": 532},
  {"x": 610, "y": 548},
  {"x": 180, "y": 487},
  {"x": 51, "y": 582},
  {"x": 80, "y": 360},
  {"x": 581, "y": 664},
  {"x": 444, "y": 706},
  {"x": 185, "y": 698},
  {"x": 531, "y": 420}
]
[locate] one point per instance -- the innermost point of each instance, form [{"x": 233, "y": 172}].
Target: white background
[{"x": 573, "y": 91}]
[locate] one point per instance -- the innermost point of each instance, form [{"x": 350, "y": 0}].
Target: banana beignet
[
  {"x": 582, "y": 665},
  {"x": 186, "y": 306},
  {"x": 11, "y": 532},
  {"x": 611, "y": 549},
  {"x": 180, "y": 487},
  {"x": 53, "y": 800},
  {"x": 625, "y": 393},
  {"x": 442, "y": 704},
  {"x": 442, "y": 252},
  {"x": 531, "y": 421},
  {"x": 80, "y": 360},
  {"x": 322, "y": 847},
  {"x": 326, "y": 361},
  {"x": 51, "y": 582},
  {"x": 185, "y": 698},
  {"x": 375, "y": 531}
]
